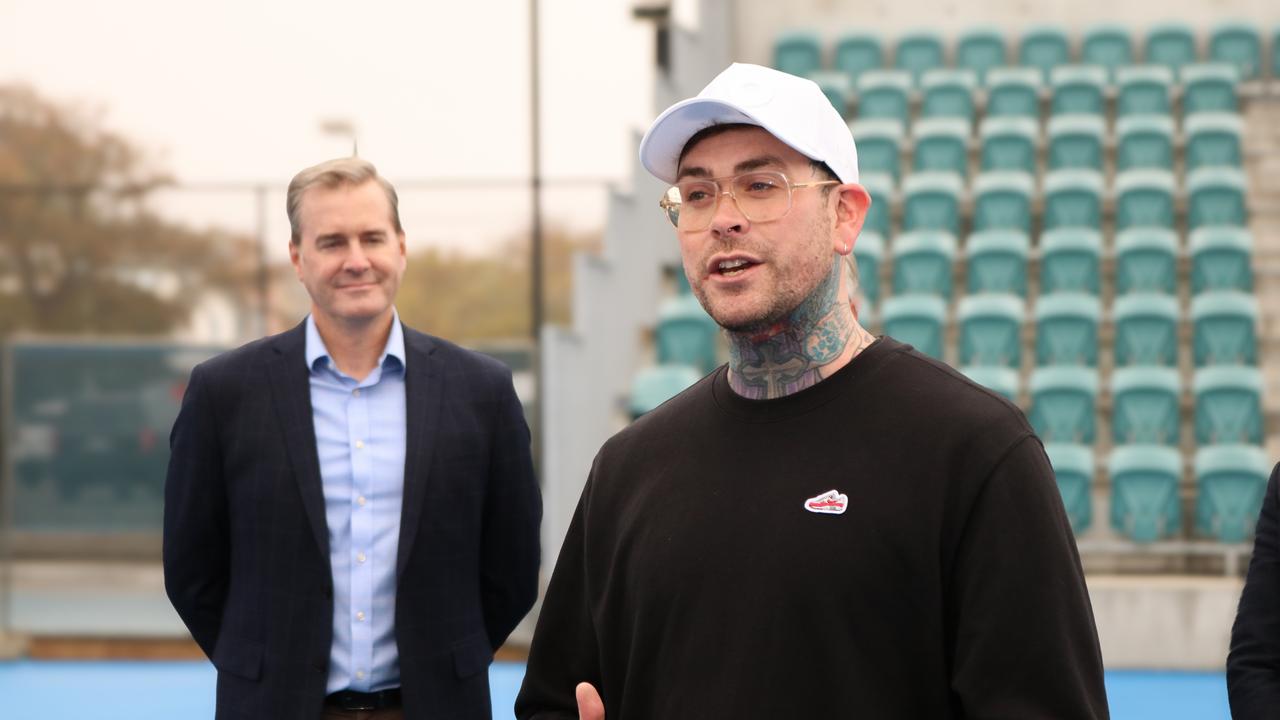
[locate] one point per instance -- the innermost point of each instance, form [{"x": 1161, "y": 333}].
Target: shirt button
[
  {"x": 359, "y": 557},
  {"x": 359, "y": 444},
  {"x": 356, "y": 392},
  {"x": 361, "y": 501},
  {"x": 360, "y": 615},
  {"x": 359, "y": 674}
]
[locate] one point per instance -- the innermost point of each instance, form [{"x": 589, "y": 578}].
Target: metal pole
[
  {"x": 535, "y": 234},
  {"x": 264, "y": 279}
]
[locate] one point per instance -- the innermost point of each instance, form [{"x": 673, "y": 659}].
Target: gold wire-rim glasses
[{"x": 672, "y": 200}]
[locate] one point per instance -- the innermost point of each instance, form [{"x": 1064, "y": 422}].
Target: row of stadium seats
[
  {"x": 935, "y": 200},
  {"x": 1145, "y": 503},
  {"x": 1018, "y": 92},
  {"x": 1145, "y": 403},
  {"x": 1067, "y": 328},
  {"x": 1208, "y": 140},
  {"x": 1069, "y": 260},
  {"x": 1044, "y": 48}
]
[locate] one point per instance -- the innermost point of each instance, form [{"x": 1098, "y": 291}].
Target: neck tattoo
[{"x": 793, "y": 354}]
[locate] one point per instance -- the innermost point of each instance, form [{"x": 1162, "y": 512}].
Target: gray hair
[{"x": 332, "y": 174}]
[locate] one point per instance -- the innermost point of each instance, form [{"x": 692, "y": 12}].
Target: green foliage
[
  {"x": 80, "y": 250},
  {"x": 467, "y": 297}
]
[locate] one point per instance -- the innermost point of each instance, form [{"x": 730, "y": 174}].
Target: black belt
[{"x": 352, "y": 700}]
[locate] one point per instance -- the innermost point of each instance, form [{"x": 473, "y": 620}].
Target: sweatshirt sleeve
[
  {"x": 1020, "y": 624},
  {"x": 563, "y": 651},
  {"x": 1253, "y": 665}
]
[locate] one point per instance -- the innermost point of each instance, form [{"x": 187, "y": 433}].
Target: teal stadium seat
[
  {"x": 980, "y": 50},
  {"x": 680, "y": 280},
  {"x": 880, "y": 216},
  {"x": 1228, "y": 405},
  {"x": 1146, "y": 330},
  {"x": 919, "y": 52},
  {"x": 1223, "y": 328},
  {"x": 1240, "y": 45},
  {"x": 858, "y": 52},
  {"x": 932, "y": 201},
  {"x": 1067, "y": 329},
  {"x": 991, "y": 330},
  {"x": 1145, "y": 198},
  {"x": 1144, "y": 491},
  {"x": 1073, "y": 468},
  {"x": 1213, "y": 140},
  {"x": 1147, "y": 261},
  {"x": 1216, "y": 196},
  {"x": 1275, "y": 55},
  {"x": 1001, "y": 380},
  {"x": 868, "y": 250},
  {"x": 798, "y": 52},
  {"x": 996, "y": 262},
  {"x": 1044, "y": 48},
  {"x": 1078, "y": 90},
  {"x": 917, "y": 320},
  {"x": 1070, "y": 261},
  {"x": 653, "y": 386},
  {"x": 884, "y": 94},
  {"x": 1013, "y": 92},
  {"x": 1002, "y": 201},
  {"x": 686, "y": 334},
  {"x": 1221, "y": 259},
  {"x": 948, "y": 94},
  {"x": 1076, "y": 141},
  {"x": 922, "y": 262},
  {"x": 1108, "y": 46},
  {"x": 836, "y": 86},
  {"x": 1064, "y": 403},
  {"x": 1144, "y": 90},
  {"x": 1172, "y": 45},
  {"x": 1145, "y": 406},
  {"x": 1008, "y": 143},
  {"x": 1231, "y": 481},
  {"x": 1209, "y": 87},
  {"x": 941, "y": 145},
  {"x": 879, "y": 146},
  {"x": 1144, "y": 142},
  {"x": 1073, "y": 198}
]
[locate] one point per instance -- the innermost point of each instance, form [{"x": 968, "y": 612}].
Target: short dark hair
[{"x": 819, "y": 167}]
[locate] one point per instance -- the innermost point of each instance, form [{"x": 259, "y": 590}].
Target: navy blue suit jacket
[
  {"x": 1253, "y": 664},
  {"x": 246, "y": 545}
]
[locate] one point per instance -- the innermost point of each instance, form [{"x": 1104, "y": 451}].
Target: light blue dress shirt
[{"x": 360, "y": 438}]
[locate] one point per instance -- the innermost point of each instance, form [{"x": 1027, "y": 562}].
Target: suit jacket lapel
[
  {"x": 423, "y": 385},
  {"x": 291, "y": 392}
]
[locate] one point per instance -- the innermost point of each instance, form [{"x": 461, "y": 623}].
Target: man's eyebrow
[
  {"x": 745, "y": 166},
  {"x": 330, "y": 236},
  {"x": 693, "y": 171},
  {"x": 757, "y": 163}
]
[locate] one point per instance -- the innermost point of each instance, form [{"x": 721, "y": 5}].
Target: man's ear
[{"x": 852, "y": 203}]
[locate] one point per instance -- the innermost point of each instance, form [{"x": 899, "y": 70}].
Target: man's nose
[
  {"x": 357, "y": 261},
  {"x": 728, "y": 217}
]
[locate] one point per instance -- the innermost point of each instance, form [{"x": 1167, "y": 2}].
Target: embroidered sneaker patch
[{"x": 831, "y": 502}]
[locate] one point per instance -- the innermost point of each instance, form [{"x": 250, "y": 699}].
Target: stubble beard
[{"x": 779, "y": 306}]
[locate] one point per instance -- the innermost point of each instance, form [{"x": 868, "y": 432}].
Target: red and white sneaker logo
[{"x": 831, "y": 502}]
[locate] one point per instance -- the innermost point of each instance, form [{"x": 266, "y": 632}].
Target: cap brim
[{"x": 661, "y": 147}]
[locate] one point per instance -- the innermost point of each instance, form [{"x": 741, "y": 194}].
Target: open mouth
[{"x": 733, "y": 268}]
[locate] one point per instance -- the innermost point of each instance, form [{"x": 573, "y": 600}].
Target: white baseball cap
[{"x": 790, "y": 108}]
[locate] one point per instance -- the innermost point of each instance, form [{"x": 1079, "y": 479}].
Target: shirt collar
[{"x": 394, "y": 348}]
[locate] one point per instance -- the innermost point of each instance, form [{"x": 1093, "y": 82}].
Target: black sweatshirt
[{"x": 707, "y": 572}]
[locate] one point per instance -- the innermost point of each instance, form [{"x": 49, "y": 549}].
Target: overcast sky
[{"x": 236, "y": 91}]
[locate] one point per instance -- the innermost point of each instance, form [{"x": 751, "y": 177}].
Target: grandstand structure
[{"x": 1079, "y": 212}]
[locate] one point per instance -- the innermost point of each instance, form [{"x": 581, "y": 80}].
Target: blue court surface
[{"x": 72, "y": 690}]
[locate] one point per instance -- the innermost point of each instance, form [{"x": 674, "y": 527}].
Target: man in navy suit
[{"x": 351, "y": 515}]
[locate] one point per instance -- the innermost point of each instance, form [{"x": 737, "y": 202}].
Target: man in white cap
[{"x": 832, "y": 525}]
